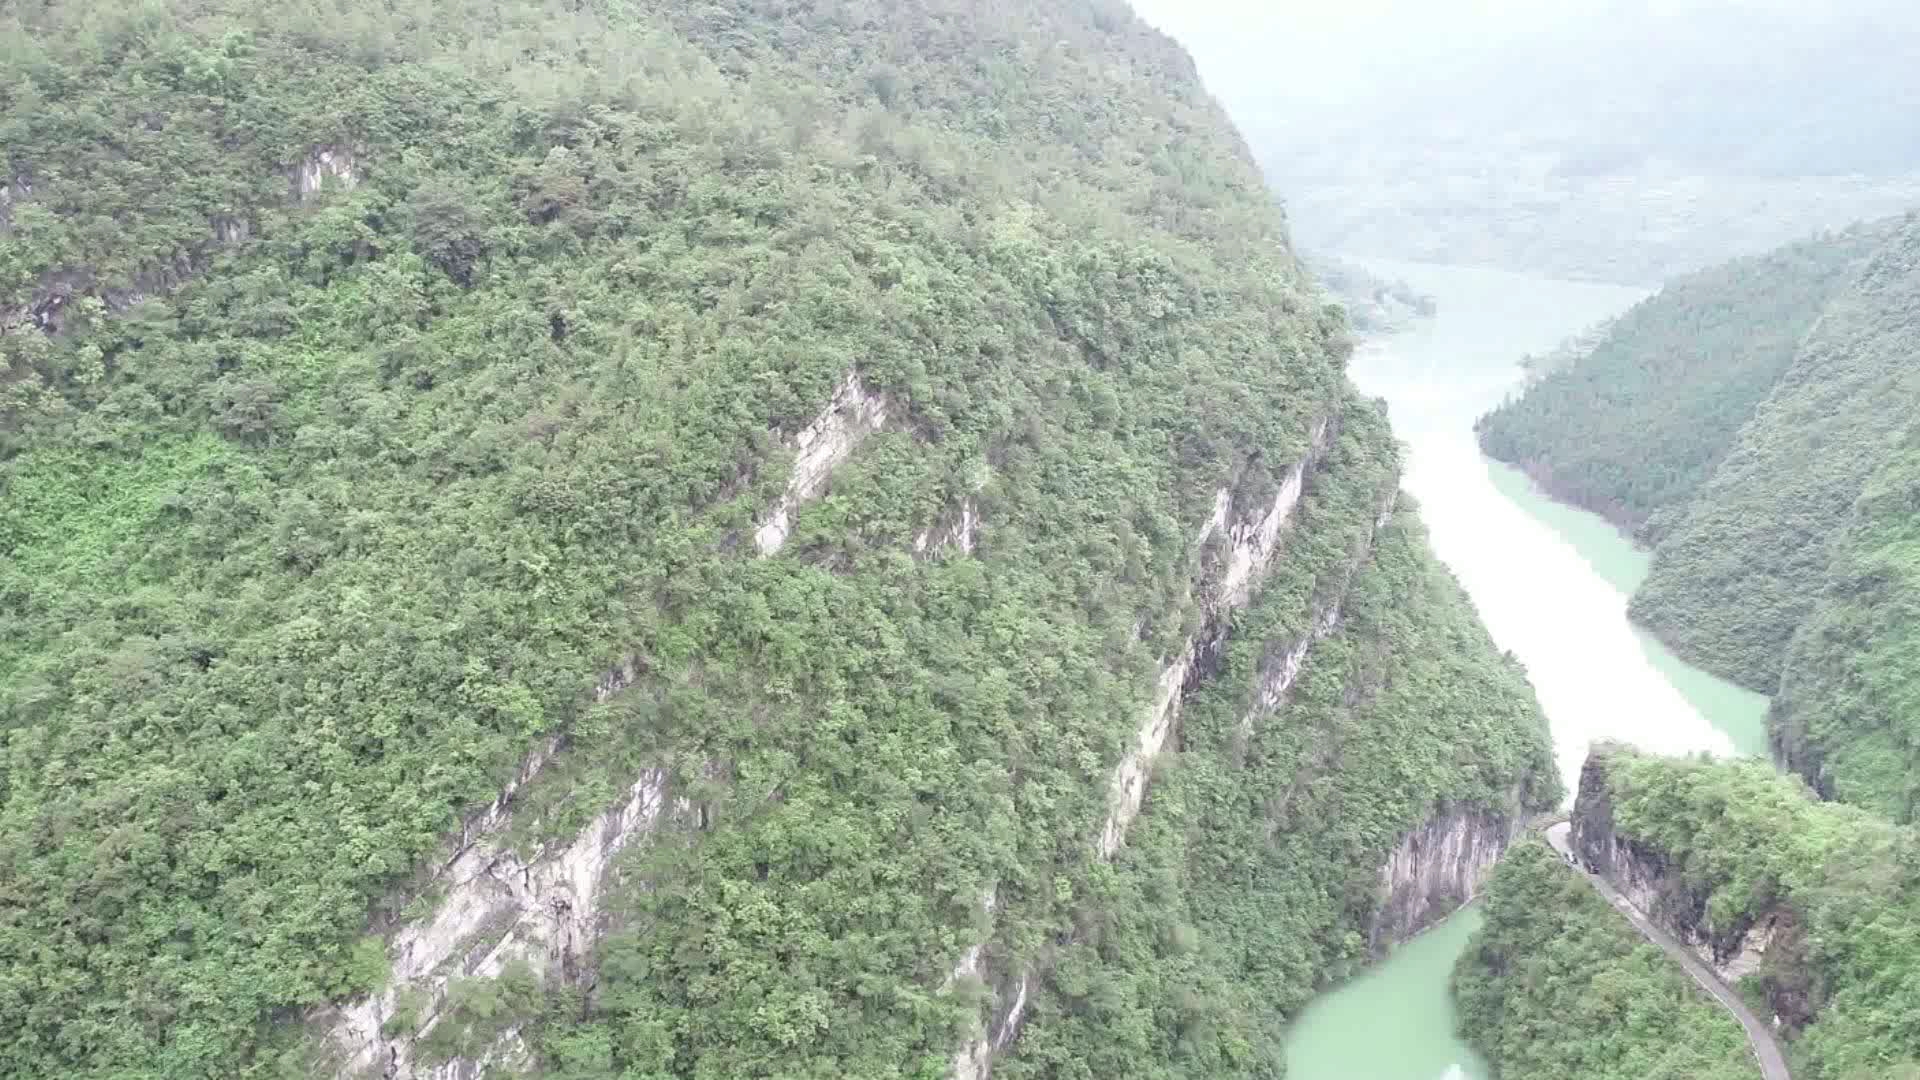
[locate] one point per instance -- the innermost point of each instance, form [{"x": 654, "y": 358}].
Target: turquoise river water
[{"x": 1551, "y": 583}]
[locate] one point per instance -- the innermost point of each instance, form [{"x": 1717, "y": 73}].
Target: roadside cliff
[
  {"x": 1752, "y": 940},
  {"x": 1806, "y": 906},
  {"x": 1556, "y": 984},
  {"x": 1442, "y": 865}
]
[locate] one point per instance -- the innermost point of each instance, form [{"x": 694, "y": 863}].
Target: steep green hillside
[
  {"x": 1638, "y": 424},
  {"x": 1254, "y": 873},
  {"x": 385, "y": 386},
  {"x": 1740, "y": 571},
  {"x": 1743, "y": 858},
  {"x": 1848, "y": 713},
  {"x": 1556, "y": 984}
]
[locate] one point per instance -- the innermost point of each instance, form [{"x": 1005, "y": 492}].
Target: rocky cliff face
[
  {"x": 326, "y": 167},
  {"x": 496, "y": 906},
  {"x": 851, "y": 415},
  {"x": 1440, "y": 866},
  {"x": 1252, "y": 543},
  {"x": 1768, "y": 945}
]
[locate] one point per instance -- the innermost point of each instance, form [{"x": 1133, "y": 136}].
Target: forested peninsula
[{"x": 633, "y": 538}]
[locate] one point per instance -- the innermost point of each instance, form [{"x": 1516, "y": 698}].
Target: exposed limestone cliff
[
  {"x": 1253, "y": 543},
  {"x": 1440, "y": 866},
  {"x": 326, "y": 166},
  {"x": 954, "y": 531},
  {"x": 1659, "y": 890},
  {"x": 851, "y": 415},
  {"x": 1251, "y": 548},
  {"x": 496, "y": 906}
]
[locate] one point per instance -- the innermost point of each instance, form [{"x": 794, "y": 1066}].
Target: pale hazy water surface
[{"x": 1550, "y": 582}]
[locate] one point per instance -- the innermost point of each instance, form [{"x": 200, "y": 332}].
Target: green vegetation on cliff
[
  {"x": 1253, "y": 877},
  {"x": 1832, "y": 891},
  {"x": 1556, "y": 984},
  {"x": 378, "y": 378},
  {"x": 1848, "y": 713},
  {"x": 1636, "y": 426}
]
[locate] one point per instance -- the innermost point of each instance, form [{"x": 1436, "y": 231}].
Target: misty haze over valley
[{"x": 1618, "y": 140}]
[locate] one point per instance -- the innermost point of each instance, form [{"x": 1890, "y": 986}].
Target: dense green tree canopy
[
  {"x": 1740, "y": 571},
  {"x": 1638, "y": 424},
  {"x": 378, "y": 376},
  {"x": 1848, "y": 713},
  {"x": 1556, "y": 984}
]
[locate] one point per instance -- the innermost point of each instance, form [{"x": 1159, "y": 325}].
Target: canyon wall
[{"x": 1766, "y": 939}]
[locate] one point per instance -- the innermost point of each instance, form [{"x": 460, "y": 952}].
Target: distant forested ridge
[
  {"x": 1811, "y": 908},
  {"x": 755, "y": 467},
  {"x": 1739, "y": 572},
  {"x": 1755, "y": 422},
  {"x": 1556, "y": 984},
  {"x": 1648, "y": 412}
]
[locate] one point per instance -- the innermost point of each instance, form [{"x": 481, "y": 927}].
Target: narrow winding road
[{"x": 1773, "y": 1065}]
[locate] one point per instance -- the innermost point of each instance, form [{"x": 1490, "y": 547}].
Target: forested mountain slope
[
  {"x": 1556, "y": 984},
  {"x": 1634, "y": 428},
  {"x": 624, "y": 536},
  {"x": 1739, "y": 572},
  {"x": 1811, "y": 908},
  {"x": 1784, "y": 546},
  {"x": 1847, "y": 716},
  {"x": 1274, "y": 852}
]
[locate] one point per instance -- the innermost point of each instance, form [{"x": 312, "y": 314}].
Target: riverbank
[{"x": 1551, "y": 583}]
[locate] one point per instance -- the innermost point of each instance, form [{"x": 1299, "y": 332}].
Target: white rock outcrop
[
  {"x": 1279, "y": 673},
  {"x": 325, "y": 167},
  {"x": 500, "y": 907},
  {"x": 851, "y": 415},
  {"x": 955, "y": 532},
  {"x": 1439, "y": 866},
  {"x": 497, "y": 906},
  {"x": 1250, "y": 549}
]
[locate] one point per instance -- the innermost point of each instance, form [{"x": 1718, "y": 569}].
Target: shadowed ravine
[{"x": 1550, "y": 582}]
